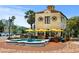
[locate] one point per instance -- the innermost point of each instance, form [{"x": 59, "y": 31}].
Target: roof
[
  {"x": 53, "y": 11},
  {"x": 63, "y": 15}
]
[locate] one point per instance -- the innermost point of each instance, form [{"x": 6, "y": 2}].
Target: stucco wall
[{"x": 53, "y": 24}]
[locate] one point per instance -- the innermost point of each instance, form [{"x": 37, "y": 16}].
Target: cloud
[{"x": 8, "y": 11}]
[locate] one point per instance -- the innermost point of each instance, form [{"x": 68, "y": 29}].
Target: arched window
[
  {"x": 54, "y": 18},
  {"x": 40, "y": 18}
]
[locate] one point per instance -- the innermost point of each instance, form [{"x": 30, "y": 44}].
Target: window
[
  {"x": 40, "y": 18},
  {"x": 47, "y": 19},
  {"x": 54, "y": 18}
]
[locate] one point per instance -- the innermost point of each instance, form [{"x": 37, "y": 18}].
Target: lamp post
[
  {"x": 10, "y": 21},
  {"x": 9, "y": 26}
]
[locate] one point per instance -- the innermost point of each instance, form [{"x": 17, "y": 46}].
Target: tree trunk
[{"x": 31, "y": 26}]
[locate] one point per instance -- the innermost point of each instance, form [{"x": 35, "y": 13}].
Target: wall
[{"x": 53, "y": 24}]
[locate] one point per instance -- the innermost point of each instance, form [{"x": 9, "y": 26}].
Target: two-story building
[{"x": 50, "y": 19}]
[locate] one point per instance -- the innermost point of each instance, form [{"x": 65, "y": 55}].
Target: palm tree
[
  {"x": 13, "y": 17},
  {"x": 30, "y": 15},
  {"x": 10, "y": 22}
]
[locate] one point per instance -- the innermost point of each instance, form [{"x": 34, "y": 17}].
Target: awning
[
  {"x": 41, "y": 30},
  {"x": 57, "y": 30},
  {"x": 29, "y": 30}
]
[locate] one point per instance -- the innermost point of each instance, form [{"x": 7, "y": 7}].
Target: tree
[
  {"x": 13, "y": 17},
  {"x": 14, "y": 29},
  {"x": 1, "y": 26},
  {"x": 12, "y": 23},
  {"x": 30, "y": 15},
  {"x": 73, "y": 26}
]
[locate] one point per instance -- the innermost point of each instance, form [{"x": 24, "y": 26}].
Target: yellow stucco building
[{"x": 50, "y": 19}]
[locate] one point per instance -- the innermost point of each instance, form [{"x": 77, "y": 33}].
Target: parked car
[{"x": 5, "y": 34}]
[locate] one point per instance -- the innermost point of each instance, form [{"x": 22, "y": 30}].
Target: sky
[{"x": 18, "y": 11}]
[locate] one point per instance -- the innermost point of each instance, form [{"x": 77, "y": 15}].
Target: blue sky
[{"x": 19, "y": 10}]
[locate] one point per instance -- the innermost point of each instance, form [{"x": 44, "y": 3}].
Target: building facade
[{"x": 50, "y": 19}]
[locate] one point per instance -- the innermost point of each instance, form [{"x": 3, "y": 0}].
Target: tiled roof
[{"x": 53, "y": 11}]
